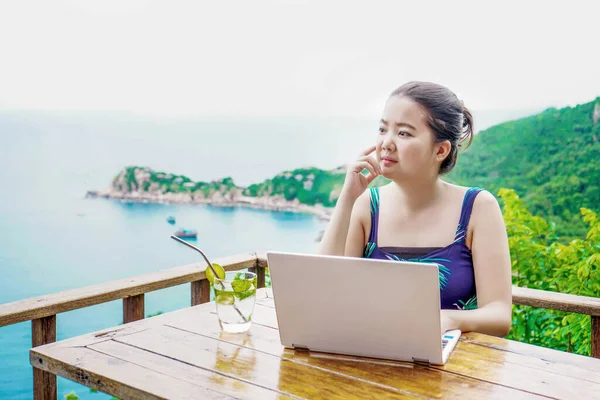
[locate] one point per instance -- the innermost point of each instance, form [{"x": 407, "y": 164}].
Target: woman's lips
[{"x": 388, "y": 161}]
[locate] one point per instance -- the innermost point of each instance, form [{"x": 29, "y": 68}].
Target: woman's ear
[{"x": 443, "y": 150}]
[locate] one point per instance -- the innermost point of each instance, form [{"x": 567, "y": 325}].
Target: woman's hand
[{"x": 356, "y": 183}]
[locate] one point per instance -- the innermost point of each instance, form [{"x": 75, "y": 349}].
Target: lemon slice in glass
[
  {"x": 225, "y": 299},
  {"x": 211, "y": 277}
]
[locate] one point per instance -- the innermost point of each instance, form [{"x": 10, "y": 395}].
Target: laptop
[{"x": 360, "y": 307}]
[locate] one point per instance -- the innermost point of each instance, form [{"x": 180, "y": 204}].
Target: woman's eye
[
  {"x": 381, "y": 129},
  {"x": 403, "y": 133}
]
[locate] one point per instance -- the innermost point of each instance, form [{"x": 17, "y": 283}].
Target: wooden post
[
  {"x": 43, "y": 331},
  {"x": 260, "y": 275},
  {"x": 596, "y": 336},
  {"x": 133, "y": 308},
  {"x": 200, "y": 292}
]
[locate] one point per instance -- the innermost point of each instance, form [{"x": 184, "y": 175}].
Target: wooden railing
[
  {"x": 563, "y": 302},
  {"x": 41, "y": 311}
]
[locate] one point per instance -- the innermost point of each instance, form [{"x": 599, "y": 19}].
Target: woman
[{"x": 418, "y": 216}]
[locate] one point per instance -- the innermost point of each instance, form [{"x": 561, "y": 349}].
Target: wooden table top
[{"x": 184, "y": 355}]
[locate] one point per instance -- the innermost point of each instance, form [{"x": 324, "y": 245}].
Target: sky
[{"x": 293, "y": 57}]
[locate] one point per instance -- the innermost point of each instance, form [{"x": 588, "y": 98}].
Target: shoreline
[{"x": 270, "y": 203}]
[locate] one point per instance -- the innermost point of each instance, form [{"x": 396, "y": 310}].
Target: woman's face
[{"x": 405, "y": 146}]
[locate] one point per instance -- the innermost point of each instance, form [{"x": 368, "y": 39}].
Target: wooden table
[{"x": 184, "y": 355}]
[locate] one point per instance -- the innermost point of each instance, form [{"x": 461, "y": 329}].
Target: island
[
  {"x": 306, "y": 190},
  {"x": 549, "y": 159}
]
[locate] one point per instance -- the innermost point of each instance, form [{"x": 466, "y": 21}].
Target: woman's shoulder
[
  {"x": 481, "y": 199},
  {"x": 483, "y": 204},
  {"x": 481, "y": 194}
]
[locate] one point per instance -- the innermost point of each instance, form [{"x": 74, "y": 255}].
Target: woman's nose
[{"x": 387, "y": 143}]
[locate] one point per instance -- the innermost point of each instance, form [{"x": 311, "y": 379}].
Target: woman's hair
[{"x": 448, "y": 118}]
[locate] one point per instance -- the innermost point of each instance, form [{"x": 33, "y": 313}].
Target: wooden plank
[
  {"x": 258, "y": 368},
  {"x": 261, "y": 260},
  {"x": 508, "y": 358},
  {"x": 43, "y": 331},
  {"x": 265, "y": 316},
  {"x": 265, "y": 295},
  {"x": 106, "y": 374},
  {"x": 43, "y": 306},
  {"x": 260, "y": 276},
  {"x": 542, "y": 353},
  {"x": 207, "y": 309},
  {"x": 200, "y": 292},
  {"x": 487, "y": 365},
  {"x": 595, "y": 336},
  {"x": 540, "y": 363},
  {"x": 198, "y": 376},
  {"x": 266, "y": 302},
  {"x": 133, "y": 308},
  {"x": 556, "y": 301},
  {"x": 416, "y": 379},
  {"x": 538, "y": 371}
]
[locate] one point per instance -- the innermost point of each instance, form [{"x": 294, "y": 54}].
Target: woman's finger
[
  {"x": 360, "y": 165},
  {"x": 368, "y": 150},
  {"x": 371, "y": 160}
]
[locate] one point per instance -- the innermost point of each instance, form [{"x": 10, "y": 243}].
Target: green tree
[
  {"x": 550, "y": 159},
  {"x": 541, "y": 261}
]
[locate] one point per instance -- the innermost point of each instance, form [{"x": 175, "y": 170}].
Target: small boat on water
[
  {"x": 171, "y": 219},
  {"x": 186, "y": 234}
]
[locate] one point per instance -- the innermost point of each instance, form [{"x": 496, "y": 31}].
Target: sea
[{"x": 53, "y": 238}]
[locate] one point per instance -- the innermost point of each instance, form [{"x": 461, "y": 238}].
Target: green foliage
[
  {"x": 308, "y": 185},
  {"x": 550, "y": 159},
  {"x": 130, "y": 179},
  {"x": 541, "y": 261},
  {"x": 145, "y": 179}
]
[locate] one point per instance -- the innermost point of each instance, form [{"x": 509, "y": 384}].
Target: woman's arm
[
  {"x": 344, "y": 235},
  {"x": 491, "y": 261}
]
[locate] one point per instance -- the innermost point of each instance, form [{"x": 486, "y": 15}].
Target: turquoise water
[
  {"x": 115, "y": 240},
  {"x": 53, "y": 239}
]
